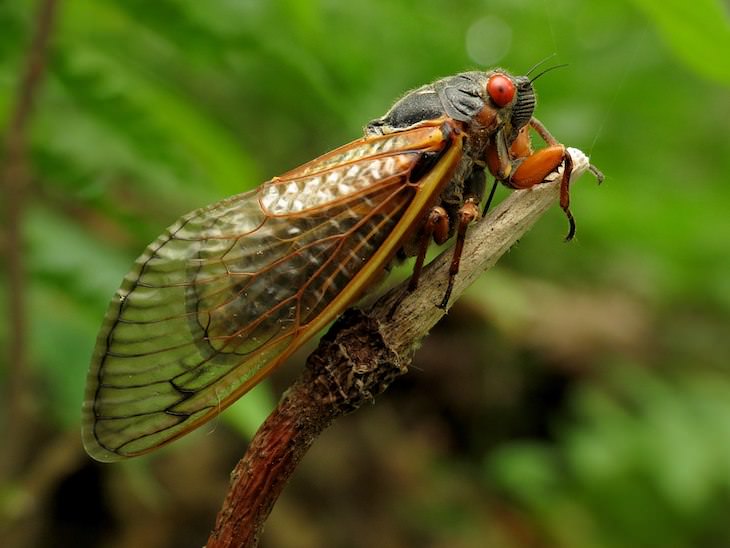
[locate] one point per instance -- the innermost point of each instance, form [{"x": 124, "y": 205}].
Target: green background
[{"x": 577, "y": 396}]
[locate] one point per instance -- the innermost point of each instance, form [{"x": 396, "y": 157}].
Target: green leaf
[
  {"x": 698, "y": 32},
  {"x": 154, "y": 116}
]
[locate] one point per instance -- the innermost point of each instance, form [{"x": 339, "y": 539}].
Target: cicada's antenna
[
  {"x": 542, "y": 62},
  {"x": 548, "y": 70}
]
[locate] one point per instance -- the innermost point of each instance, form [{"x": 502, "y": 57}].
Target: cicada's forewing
[{"x": 229, "y": 291}]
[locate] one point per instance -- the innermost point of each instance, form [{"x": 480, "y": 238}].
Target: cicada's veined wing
[{"x": 229, "y": 291}]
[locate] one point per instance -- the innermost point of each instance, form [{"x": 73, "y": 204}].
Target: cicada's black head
[{"x": 490, "y": 100}]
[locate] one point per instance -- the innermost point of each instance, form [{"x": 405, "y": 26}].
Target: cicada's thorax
[{"x": 463, "y": 99}]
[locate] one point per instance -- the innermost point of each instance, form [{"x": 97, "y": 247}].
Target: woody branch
[{"x": 355, "y": 362}]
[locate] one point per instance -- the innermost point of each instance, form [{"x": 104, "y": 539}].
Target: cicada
[{"x": 229, "y": 291}]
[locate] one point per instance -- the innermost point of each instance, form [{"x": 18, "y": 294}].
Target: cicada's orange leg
[
  {"x": 519, "y": 167},
  {"x": 436, "y": 226},
  {"x": 468, "y": 213},
  {"x": 534, "y": 169}
]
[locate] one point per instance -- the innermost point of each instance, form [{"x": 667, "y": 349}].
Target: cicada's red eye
[{"x": 501, "y": 90}]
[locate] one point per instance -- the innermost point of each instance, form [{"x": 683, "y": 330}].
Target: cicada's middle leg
[
  {"x": 437, "y": 228},
  {"x": 468, "y": 213}
]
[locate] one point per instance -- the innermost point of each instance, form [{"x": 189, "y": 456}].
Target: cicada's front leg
[{"x": 519, "y": 167}]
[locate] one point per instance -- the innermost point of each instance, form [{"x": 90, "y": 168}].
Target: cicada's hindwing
[{"x": 229, "y": 291}]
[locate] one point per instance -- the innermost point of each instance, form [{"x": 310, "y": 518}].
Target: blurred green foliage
[
  {"x": 151, "y": 109},
  {"x": 648, "y": 469}
]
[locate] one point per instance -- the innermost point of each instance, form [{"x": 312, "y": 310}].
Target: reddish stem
[{"x": 351, "y": 366}]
